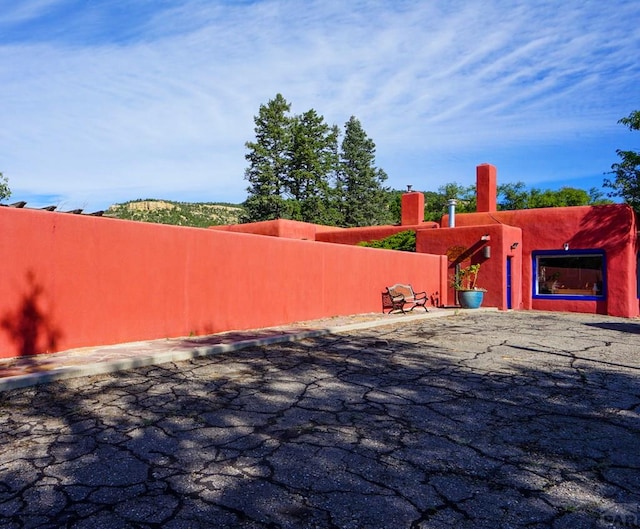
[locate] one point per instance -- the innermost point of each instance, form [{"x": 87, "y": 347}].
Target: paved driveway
[{"x": 489, "y": 420}]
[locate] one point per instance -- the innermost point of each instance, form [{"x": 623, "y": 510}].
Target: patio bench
[{"x": 400, "y": 297}]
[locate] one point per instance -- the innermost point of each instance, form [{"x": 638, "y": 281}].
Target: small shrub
[{"x": 405, "y": 241}]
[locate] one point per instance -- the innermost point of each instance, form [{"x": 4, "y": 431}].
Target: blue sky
[{"x": 109, "y": 100}]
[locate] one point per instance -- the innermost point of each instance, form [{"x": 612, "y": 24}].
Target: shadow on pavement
[
  {"x": 632, "y": 327},
  {"x": 432, "y": 424}
]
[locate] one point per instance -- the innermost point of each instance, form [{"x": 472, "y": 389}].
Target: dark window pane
[{"x": 570, "y": 275}]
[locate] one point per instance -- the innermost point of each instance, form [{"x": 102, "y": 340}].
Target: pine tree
[
  {"x": 312, "y": 162},
  {"x": 268, "y": 162},
  {"x": 296, "y": 171},
  {"x": 364, "y": 199}
]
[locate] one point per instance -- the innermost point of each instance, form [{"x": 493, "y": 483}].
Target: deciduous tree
[
  {"x": 626, "y": 183},
  {"x": 5, "y": 192},
  {"x": 436, "y": 202},
  {"x": 513, "y": 196},
  {"x": 517, "y": 196}
]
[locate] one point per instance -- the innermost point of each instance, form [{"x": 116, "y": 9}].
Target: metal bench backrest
[{"x": 399, "y": 289}]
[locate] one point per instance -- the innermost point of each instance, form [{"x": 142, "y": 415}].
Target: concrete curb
[{"x": 181, "y": 354}]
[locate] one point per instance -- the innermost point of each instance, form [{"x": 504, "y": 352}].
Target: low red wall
[
  {"x": 69, "y": 281},
  {"x": 369, "y": 233},
  {"x": 290, "y": 229}
]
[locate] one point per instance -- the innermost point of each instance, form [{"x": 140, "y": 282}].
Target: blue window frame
[{"x": 571, "y": 274}]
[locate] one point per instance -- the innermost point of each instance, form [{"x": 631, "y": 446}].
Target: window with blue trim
[{"x": 575, "y": 274}]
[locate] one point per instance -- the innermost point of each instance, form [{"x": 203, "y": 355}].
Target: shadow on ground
[
  {"x": 473, "y": 421},
  {"x": 632, "y": 327}
]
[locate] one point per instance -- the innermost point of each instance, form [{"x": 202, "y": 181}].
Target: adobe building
[
  {"x": 73, "y": 280},
  {"x": 574, "y": 259}
]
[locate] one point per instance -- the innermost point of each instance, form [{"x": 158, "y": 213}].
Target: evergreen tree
[
  {"x": 364, "y": 199},
  {"x": 296, "y": 171},
  {"x": 268, "y": 162},
  {"x": 312, "y": 162}
]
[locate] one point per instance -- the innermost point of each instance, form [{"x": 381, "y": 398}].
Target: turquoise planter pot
[{"x": 470, "y": 299}]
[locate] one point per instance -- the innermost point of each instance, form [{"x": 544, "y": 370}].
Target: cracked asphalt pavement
[{"x": 488, "y": 420}]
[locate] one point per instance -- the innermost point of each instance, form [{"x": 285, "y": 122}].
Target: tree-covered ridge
[{"x": 197, "y": 214}]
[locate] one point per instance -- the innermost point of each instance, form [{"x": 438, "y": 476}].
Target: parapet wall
[
  {"x": 369, "y": 233},
  {"x": 69, "y": 281}
]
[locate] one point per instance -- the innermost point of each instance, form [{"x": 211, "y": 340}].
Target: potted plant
[{"x": 470, "y": 296}]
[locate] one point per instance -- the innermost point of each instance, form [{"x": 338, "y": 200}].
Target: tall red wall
[
  {"x": 611, "y": 228},
  {"x": 68, "y": 281}
]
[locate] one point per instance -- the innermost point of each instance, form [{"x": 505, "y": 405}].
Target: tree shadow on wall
[
  {"x": 30, "y": 325},
  {"x": 375, "y": 429},
  {"x": 604, "y": 224}
]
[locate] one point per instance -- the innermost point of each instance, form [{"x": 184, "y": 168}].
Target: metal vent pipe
[{"x": 452, "y": 212}]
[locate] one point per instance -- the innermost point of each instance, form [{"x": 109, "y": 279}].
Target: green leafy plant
[
  {"x": 404, "y": 241},
  {"x": 626, "y": 183},
  {"x": 5, "y": 192},
  {"x": 466, "y": 278}
]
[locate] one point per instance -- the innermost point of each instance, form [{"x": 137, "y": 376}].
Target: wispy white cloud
[
  {"x": 24, "y": 11},
  {"x": 164, "y": 107}
]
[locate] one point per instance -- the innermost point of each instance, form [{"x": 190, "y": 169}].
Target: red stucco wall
[
  {"x": 412, "y": 210},
  {"x": 370, "y": 233},
  {"x": 68, "y": 281},
  {"x": 611, "y": 228},
  {"x": 486, "y": 187},
  {"x": 289, "y": 229},
  {"x": 493, "y": 269}
]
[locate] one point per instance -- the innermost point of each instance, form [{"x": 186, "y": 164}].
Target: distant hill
[{"x": 196, "y": 214}]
